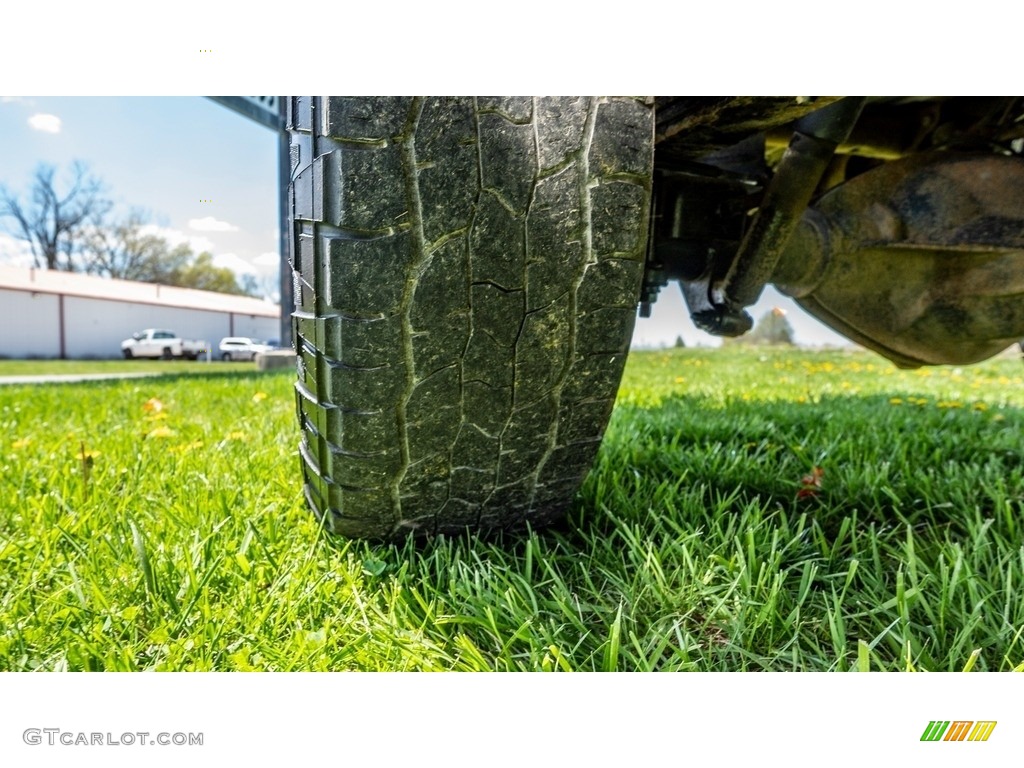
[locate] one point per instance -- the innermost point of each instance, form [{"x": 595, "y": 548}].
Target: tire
[
  {"x": 127, "y": 354},
  {"x": 466, "y": 279},
  {"x": 226, "y": 357},
  {"x": 167, "y": 355}
]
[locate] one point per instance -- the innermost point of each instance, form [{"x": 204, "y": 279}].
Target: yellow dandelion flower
[
  {"x": 186, "y": 447},
  {"x": 236, "y": 435},
  {"x": 259, "y": 397},
  {"x": 161, "y": 432},
  {"x": 22, "y": 443},
  {"x": 980, "y": 407},
  {"x": 896, "y": 401},
  {"x": 680, "y": 379}
]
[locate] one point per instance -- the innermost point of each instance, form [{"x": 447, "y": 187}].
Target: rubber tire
[
  {"x": 167, "y": 354},
  {"x": 226, "y": 357},
  {"x": 127, "y": 354},
  {"x": 466, "y": 279}
]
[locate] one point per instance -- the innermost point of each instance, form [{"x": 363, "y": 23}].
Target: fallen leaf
[{"x": 810, "y": 483}]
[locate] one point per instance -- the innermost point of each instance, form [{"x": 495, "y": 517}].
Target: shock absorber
[{"x": 798, "y": 174}]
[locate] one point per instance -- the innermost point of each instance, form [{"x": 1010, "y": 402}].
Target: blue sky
[
  {"x": 162, "y": 154},
  {"x": 166, "y": 154}
]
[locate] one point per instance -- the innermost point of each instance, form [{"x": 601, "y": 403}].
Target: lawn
[{"x": 749, "y": 510}]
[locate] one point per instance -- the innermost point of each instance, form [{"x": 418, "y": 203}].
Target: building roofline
[{"x": 31, "y": 279}]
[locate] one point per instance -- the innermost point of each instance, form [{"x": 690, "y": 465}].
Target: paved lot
[{"x": 63, "y": 378}]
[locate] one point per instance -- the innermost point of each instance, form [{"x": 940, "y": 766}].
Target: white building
[{"x": 50, "y": 314}]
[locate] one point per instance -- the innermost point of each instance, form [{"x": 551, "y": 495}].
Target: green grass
[
  {"x": 176, "y": 538},
  {"x": 63, "y": 367}
]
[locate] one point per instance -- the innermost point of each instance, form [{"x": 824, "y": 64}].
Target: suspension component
[
  {"x": 921, "y": 259},
  {"x": 695, "y": 212},
  {"x": 797, "y": 176}
]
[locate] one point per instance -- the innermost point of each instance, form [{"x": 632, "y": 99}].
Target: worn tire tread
[{"x": 466, "y": 273}]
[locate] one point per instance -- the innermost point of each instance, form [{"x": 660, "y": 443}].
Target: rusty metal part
[
  {"x": 921, "y": 259},
  {"x": 888, "y": 145},
  {"x": 801, "y": 169},
  {"x": 696, "y": 214},
  {"x": 690, "y": 126},
  {"x": 883, "y": 131}
]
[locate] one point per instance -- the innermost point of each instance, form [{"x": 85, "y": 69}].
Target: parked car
[
  {"x": 156, "y": 342},
  {"x": 241, "y": 348}
]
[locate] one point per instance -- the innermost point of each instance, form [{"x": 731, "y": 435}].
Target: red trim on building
[
  {"x": 169, "y": 305},
  {"x": 63, "y": 334}
]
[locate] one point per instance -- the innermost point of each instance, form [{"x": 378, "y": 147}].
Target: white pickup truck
[{"x": 154, "y": 342}]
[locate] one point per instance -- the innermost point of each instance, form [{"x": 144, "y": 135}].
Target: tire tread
[{"x": 466, "y": 273}]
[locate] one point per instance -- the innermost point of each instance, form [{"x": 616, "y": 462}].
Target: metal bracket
[{"x": 797, "y": 176}]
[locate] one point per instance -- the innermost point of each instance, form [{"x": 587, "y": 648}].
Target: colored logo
[{"x": 958, "y": 730}]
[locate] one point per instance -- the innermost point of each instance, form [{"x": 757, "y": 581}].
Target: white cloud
[
  {"x": 197, "y": 243},
  {"x": 14, "y": 252},
  {"x": 235, "y": 263},
  {"x": 210, "y": 224},
  {"x": 45, "y": 123},
  {"x": 268, "y": 263}
]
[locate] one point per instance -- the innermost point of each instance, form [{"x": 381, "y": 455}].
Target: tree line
[{"x": 71, "y": 227}]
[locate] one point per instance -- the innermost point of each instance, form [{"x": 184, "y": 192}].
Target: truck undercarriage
[
  {"x": 899, "y": 222},
  {"x": 467, "y": 271}
]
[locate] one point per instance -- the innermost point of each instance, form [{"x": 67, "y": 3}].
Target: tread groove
[
  {"x": 411, "y": 181},
  {"x": 464, "y": 295}
]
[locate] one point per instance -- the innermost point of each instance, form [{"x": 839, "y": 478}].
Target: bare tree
[
  {"x": 124, "y": 251},
  {"x": 54, "y": 224},
  {"x": 73, "y": 232}
]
